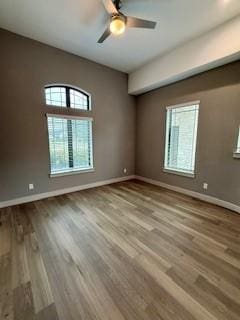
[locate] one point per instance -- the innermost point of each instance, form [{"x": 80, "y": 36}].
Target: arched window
[
  {"x": 70, "y": 136},
  {"x": 66, "y": 96}
]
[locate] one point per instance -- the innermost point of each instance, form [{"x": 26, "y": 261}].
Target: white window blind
[
  {"x": 181, "y": 138},
  {"x": 70, "y": 143}
]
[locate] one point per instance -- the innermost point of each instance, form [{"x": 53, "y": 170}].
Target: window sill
[
  {"x": 236, "y": 155},
  {"x": 70, "y": 172},
  {"x": 179, "y": 173},
  {"x": 65, "y": 108}
]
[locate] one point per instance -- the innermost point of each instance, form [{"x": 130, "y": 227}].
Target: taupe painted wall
[
  {"x": 25, "y": 67},
  {"x": 219, "y": 119}
]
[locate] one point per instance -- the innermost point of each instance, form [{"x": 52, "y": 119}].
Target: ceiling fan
[{"x": 119, "y": 21}]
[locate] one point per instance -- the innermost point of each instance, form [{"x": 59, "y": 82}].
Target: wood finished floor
[{"x": 127, "y": 251}]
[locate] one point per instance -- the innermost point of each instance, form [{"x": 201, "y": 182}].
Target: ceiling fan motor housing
[
  {"x": 118, "y": 4},
  {"x": 119, "y": 16}
]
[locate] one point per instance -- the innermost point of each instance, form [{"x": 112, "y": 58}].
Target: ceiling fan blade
[
  {"x": 110, "y": 6},
  {"x": 133, "y": 22},
  {"x": 105, "y": 35}
]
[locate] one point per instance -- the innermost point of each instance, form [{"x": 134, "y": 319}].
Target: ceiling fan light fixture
[
  {"x": 117, "y": 25},
  {"x": 119, "y": 22}
]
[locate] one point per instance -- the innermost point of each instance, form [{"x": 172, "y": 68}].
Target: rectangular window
[
  {"x": 238, "y": 145},
  {"x": 237, "y": 151},
  {"x": 70, "y": 144},
  {"x": 181, "y": 138}
]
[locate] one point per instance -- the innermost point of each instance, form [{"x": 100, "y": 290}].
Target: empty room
[{"x": 120, "y": 160}]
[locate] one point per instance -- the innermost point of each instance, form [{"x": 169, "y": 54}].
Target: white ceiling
[{"x": 76, "y": 25}]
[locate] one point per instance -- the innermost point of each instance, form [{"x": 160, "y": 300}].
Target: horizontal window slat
[
  {"x": 181, "y": 138},
  {"x": 70, "y": 143}
]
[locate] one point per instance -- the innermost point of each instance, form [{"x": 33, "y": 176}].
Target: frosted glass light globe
[{"x": 117, "y": 26}]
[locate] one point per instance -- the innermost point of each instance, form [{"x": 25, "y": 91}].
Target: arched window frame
[
  {"x": 68, "y": 100},
  {"x": 71, "y": 164}
]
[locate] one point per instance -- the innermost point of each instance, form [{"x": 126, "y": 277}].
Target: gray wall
[
  {"x": 219, "y": 119},
  {"x": 25, "y": 67}
]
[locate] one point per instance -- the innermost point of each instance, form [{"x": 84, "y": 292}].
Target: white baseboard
[
  {"x": 213, "y": 200},
  {"x": 54, "y": 193}
]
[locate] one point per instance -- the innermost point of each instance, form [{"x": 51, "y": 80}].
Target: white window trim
[
  {"x": 236, "y": 153},
  {"x": 179, "y": 172},
  {"x": 167, "y": 169},
  {"x": 63, "y": 108},
  {"x": 180, "y": 105},
  {"x": 71, "y": 172},
  {"x": 64, "y": 116},
  {"x": 68, "y": 172}
]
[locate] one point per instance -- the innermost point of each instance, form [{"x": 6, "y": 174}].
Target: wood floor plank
[
  {"x": 177, "y": 292},
  {"x": 49, "y": 313},
  {"x": 20, "y": 270},
  {"x": 205, "y": 298},
  {"x": 5, "y": 231},
  {"x": 42, "y": 294},
  {"x": 23, "y": 302},
  {"x": 6, "y": 293},
  {"x": 127, "y": 251},
  {"x": 230, "y": 305}
]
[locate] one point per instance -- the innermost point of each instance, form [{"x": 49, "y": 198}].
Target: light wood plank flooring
[{"x": 128, "y": 251}]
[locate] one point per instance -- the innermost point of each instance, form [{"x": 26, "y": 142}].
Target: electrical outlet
[
  {"x": 205, "y": 186},
  {"x": 31, "y": 186},
  {"x": 125, "y": 170}
]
